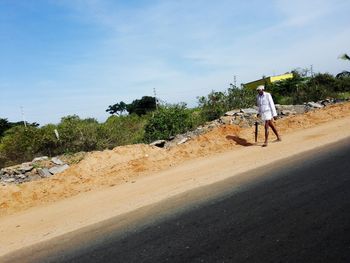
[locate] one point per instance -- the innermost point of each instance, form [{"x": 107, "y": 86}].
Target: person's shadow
[{"x": 239, "y": 140}]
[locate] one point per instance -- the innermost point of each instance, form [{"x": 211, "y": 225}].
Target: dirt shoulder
[{"x": 113, "y": 182}]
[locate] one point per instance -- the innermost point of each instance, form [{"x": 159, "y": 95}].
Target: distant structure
[{"x": 267, "y": 80}]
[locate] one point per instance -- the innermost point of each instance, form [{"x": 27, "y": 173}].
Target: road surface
[{"x": 295, "y": 211}]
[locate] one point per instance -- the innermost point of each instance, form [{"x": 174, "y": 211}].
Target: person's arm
[{"x": 272, "y": 106}]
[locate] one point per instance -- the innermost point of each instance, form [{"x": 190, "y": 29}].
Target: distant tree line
[{"x": 6, "y": 125}]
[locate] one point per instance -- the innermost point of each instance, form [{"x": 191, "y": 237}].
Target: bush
[
  {"x": 121, "y": 130},
  {"x": 303, "y": 89},
  {"x": 170, "y": 120},
  {"x": 77, "y": 135},
  {"x": 217, "y": 103},
  {"x": 19, "y": 144}
]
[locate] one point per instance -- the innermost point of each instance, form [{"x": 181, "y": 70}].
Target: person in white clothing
[{"x": 267, "y": 112}]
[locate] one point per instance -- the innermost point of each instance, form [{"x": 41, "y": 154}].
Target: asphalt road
[{"x": 297, "y": 212}]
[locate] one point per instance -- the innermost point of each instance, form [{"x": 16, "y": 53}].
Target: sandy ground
[{"x": 109, "y": 183}]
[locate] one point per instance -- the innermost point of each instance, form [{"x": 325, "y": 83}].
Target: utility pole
[
  {"x": 23, "y": 118},
  {"x": 155, "y": 97},
  {"x": 235, "y": 81},
  {"x": 311, "y": 71}
]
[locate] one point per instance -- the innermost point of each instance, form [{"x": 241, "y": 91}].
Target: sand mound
[{"x": 126, "y": 164}]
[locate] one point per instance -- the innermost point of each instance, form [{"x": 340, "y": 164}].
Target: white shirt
[{"x": 265, "y": 104}]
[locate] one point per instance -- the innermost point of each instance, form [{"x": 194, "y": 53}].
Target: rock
[
  {"x": 237, "y": 121},
  {"x": 315, "y": 105},
  {"x": 290, "y": 109},
  {"x": 21, "y": 176},
  {"x": 158, "y": 143},
  {"x": 58, "y": 169},
  {"x": 287, "y": 112},
  {"x": 250, "y": 111},
  {"x": 182, "y": 141},
  {"x": 26, "y": 167},
  {"x": 57, "y": 161},
  {"x": 44, "y": 172},
  {"x": 226, "y": 120},
  {"x": 9, "y": 180},
  {"x": 42, "y": 158},
  {"x": 232, "y": 112}
]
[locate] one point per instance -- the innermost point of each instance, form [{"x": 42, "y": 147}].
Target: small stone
[
  {"x": 287, "y": 112},
  {"x": 9, "y": 180},
  {"x": 42, "y": 158},
  {"x": 25, "y": 167},
  {"x": 250, "y": 111},
  {"x": 21, "y": 176},
  {"x": 183, "y": 141},
  {"x": 44, "y": 172},
  {"x": 57, "y": 161},
  {"x": 58, "y": 169},
  {"x": 232, "y": 112},
  {"x": 226, "y": 120},
  {"x": 315, "y": 105}
]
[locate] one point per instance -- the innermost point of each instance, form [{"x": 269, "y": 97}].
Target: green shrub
[
  {"x": 77, "y": 134},
  {"x": 217, "y": 103},
  {"x": 121, "y": 130},
  {"x": 170, "y": 120},
  {"x": 303, "y": 89},
  {"x": 19, "y": 144}
]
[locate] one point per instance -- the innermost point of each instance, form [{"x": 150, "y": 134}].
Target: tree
[
  {"x": 139, "y": 107},
  {"x": 4, "y": 125},
  {"x": 117, "y": 108},
  {"x": 142, "y": 106}
]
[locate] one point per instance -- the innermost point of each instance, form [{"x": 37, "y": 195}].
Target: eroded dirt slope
[{"x": 99, "y": 170}]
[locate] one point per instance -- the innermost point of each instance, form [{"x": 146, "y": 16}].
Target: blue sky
[{"x": 64, "y": 57}]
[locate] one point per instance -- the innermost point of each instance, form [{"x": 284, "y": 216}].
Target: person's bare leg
[
  {"x": 274, "y": 130},
  {"x": 266, "y": 133}
]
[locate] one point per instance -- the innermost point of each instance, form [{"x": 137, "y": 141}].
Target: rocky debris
[
  {"x": 286, "y": 110},
  {"x": 40, "y": 167}
]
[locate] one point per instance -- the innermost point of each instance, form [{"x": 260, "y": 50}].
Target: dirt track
[{"x": 120, "y": 180}]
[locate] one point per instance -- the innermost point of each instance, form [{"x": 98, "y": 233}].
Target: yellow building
[{"x": 267, "y": 80}]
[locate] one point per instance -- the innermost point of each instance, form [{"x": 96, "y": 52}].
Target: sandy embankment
[{"x": 110, "y": 183}]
